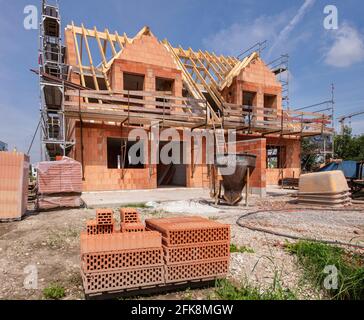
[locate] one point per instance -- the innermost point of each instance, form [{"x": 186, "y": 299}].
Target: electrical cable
[
  {"x": 279, "y": 234},
  {"x": 35, "y": 133}
]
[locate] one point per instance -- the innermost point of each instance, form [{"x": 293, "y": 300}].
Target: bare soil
[{"x": 50, "y": 241}]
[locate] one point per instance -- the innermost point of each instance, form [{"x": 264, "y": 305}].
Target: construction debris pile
[
  {"x": 59, "y": 184},
  {"x": 328, "y": 188},
  {"x": 165, "y": 252},
  {"x": 14, "y": 176}
]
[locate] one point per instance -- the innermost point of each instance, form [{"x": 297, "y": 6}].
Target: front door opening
[{"x": 173, "y": 174}]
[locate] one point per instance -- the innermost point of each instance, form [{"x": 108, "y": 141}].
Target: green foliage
[
  {"x": 135, "y": 205},
  {"x": 314, "y": 257},
  {"x": 349, "y": 147},
  {"x": 242, "y": 249},
  {"x": 54, "y": 291},
  {"x": 309, "y": 156},
  {"x": 227, "y": 291}
]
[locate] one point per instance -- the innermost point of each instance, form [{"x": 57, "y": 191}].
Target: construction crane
[{"x": 343, "y": 118}]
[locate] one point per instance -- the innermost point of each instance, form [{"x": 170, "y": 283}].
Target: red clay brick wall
[
  {"x": 293, "y": 162},
  {"x": 258, "y": 78},
  {"x": 97, "y": 176},
  {"x": 150, "y": 71},
  {"x": 258, "y": 147},
  {"x": 147, "y": 49}
]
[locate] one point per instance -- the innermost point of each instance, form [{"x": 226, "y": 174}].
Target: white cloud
[
  {"x": 347, "y": 48},
  {"x": 284, "y": 34},
  {"x": 238, "y": 37},
  {"x": 275, "y": 28}
]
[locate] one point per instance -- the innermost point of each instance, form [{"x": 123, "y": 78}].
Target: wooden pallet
[{"x": 153, "y": 290}]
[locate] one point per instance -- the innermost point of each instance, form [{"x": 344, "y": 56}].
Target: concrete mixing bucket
[{"x": 234, "y": 183}]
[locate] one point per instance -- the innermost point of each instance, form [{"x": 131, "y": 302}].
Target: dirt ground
[{"x": 49, "y": 243}]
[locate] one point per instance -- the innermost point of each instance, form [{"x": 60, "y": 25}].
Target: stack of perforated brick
[
  {"x": 59, "y": 184},
  {"x": 195, "y": 248},
  {"x": 113, "y": 261},
  {"x": 14, "y": 178},
  {"x": 130, "y": 220}
]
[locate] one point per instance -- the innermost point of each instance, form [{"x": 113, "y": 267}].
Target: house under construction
[{"x": 98, "y": 85}]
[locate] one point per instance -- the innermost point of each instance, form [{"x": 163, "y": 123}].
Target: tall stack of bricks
[
  {"x": 195, "y": 248},
  {"x": 113, "y": 261},
  {"x": 59, "y": 184},
  {"x": 14, "y": 177}
]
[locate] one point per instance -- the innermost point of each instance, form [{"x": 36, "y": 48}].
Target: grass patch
[
  {"x": 135, "y": 205},
  {"x": 314, "y": 257},
  {"x": 234, "y": 248},
  {"x": 228, "y": 291},
  {"x": 54, "y": 292}
]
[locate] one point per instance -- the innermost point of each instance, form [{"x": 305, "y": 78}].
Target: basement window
[
  {"x": 115, "y": 154},
  {"x": 275, "y": 157}
]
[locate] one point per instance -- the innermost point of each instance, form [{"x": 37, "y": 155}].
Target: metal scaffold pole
[{"x": 52, "y": 93}]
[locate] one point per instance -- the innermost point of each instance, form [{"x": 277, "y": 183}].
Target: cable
[
  {"x": 31, "y": 144},
  {"x": 279, "y": 234}
]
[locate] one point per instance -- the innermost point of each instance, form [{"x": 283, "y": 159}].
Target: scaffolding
[{"x": 52, "y": 74}]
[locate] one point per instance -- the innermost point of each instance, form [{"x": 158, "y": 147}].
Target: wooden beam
[
  {"x": 78, "y": 58},
  {"x": 104, "y": 62},
  {"x": 110, "y": 42},
  {"x": 84, "y": 35},
  {"x": 211, "y": 65}
]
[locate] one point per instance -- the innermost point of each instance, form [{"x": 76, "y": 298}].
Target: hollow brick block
[
  {"x": 119, "y": 241},
  {"x": 196, "y": 270},
  {"x": 114, "y": 260},
  {"x": 132, "y": 227},
  {"x": 104, "y": 216},
  {"x": 189, "y": 230},
  {"x": 129, "y": 215},
  {"x": 104, "y": 282},
  {"x": 93, "y": 228},
  {"x": 189, "y": 253}
]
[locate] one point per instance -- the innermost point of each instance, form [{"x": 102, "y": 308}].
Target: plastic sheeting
[
  {"x": 63, "y": 176},
  {"x": 64, "y": 201},
  {"x": 59, "y": 184},
  {"x": 348, "y": 167}
]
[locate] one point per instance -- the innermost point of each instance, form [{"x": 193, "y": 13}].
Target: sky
[{"x": 317, "y": 56}]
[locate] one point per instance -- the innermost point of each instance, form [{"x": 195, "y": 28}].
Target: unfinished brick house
[{"x": 115, "y": 83}]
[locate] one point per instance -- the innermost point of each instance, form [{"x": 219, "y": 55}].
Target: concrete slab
[{"x": 123, "y": 197}]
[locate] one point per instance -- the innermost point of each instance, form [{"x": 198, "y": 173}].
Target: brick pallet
[
  {"x": 14, "y": 178},
  {"x": 165, "y": 254},
  {"x": 113, "y": 261},
  {"x": 59, "y": 184},
  {"x": 195, "y": 248}
]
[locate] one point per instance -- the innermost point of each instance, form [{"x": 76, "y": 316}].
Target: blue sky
[{"x": 318, "y": 56}]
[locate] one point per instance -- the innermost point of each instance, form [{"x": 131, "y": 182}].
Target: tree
[
  {"x": 309, "y": 157},
  {"x": 348, "y": 146}
]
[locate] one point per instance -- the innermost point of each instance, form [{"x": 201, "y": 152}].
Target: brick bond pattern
[{"x": 168, "y": 251}]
